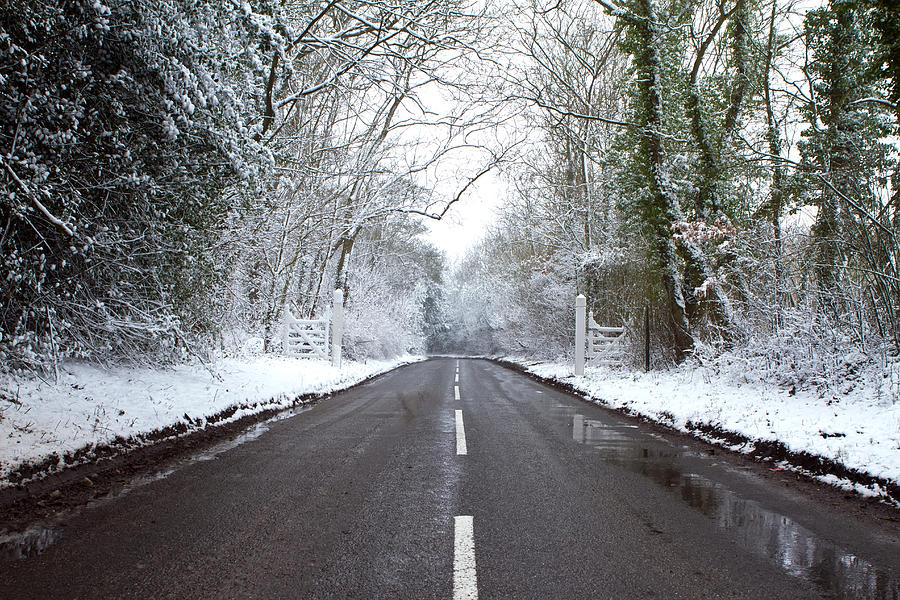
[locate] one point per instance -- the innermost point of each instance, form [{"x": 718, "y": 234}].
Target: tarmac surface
[{"x": 456, "y": 478}]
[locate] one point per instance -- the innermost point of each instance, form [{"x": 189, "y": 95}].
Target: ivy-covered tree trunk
[
  {"x": 887, "y": 26},
  {"x": 848, "y": 161},
  {"x": 775, "y": 206},
  {"x": 659, "y": 207},
  {"x": 711, "y": 139}
]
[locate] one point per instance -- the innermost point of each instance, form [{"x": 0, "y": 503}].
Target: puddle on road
[
  {"x": 248, "y": 436},
  {"x": 28, "y": 543},
  {"x": 835, "y": 572}
]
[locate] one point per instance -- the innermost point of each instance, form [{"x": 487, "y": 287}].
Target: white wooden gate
[
  {"x": 604, "y": 344},
  {"x": 306, "y": 337},
  {"x": 310, "y": 338}
]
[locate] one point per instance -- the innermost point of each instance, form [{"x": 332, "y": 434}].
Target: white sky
[{"x": 467, "y": 221}]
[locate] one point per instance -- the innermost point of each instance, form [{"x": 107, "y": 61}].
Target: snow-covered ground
[
  {"x": 860, "y": 429},
  {"x": 90, "y": 405}
]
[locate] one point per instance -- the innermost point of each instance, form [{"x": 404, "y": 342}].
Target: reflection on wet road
[
  {"x": 359, "y": 496},
  {"x": 797, "y": 550},
  {"x": 29, "y": 543}
]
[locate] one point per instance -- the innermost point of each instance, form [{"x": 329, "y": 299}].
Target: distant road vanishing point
[{"x": 456, "y": 478}]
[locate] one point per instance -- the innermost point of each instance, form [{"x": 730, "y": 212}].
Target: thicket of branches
[
  {"x": 731, "y": 163},
  {"x": 176, "y": 174}
]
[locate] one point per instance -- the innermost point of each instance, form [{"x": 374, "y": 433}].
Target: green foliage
[
  {"x": 119, "y": 133},
  {"x": 885, "y": 16},
  {"x": 843, "y": 147}
]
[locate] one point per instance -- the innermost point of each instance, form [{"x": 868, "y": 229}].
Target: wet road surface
[{"x": 454, "y": 479}]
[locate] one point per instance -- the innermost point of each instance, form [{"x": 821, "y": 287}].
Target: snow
[
  {"x": 89, "y": 405},
  {"x": 860, "y": 429}
]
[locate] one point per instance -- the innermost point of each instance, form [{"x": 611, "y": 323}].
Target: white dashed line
[
  {"x": 456, "y": 392},
  {"x": 465, "y": 580},
  {"x": 457, "y": 378},
  {"x": 460, "y": 435}
]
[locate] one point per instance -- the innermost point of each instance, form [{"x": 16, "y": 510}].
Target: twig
[
  {"x": 53, "y": 348},
  {"x": 37, "y": 203}
]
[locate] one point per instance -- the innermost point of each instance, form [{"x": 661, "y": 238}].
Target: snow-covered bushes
[
  {"x": 392, "y": 275},
  {"x": 541, "y": 307},
  {"x": 499, "y": 302},
  {"x": 117, "y": 142},
  {"x": 788, "y": 334},
  {"x": 383, "y": 319}
]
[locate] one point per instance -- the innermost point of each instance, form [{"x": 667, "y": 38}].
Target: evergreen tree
[
  {"x": 843, "y": 147},
  {"x": 120, "y": 132}
]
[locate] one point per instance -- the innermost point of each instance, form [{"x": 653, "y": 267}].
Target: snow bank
[
  {"x": 90, "y": 405},
  {"x": 860, "y": 430}
]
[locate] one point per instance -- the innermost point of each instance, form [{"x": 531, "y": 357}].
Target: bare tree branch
[{"x": 37, "y": 203}]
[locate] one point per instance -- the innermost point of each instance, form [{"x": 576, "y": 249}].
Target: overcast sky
[{"x": 467, "y": 221}]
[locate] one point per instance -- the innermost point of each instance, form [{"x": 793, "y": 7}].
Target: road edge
[
  {"x": 805, "y": 464},
  {"x": 57, "y": 484}
]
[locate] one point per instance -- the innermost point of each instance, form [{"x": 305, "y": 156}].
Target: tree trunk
[
  {"x": 658, "y": 213},
  {"x": 342, "y": 279},
  {"x": 776, "y": 198}
]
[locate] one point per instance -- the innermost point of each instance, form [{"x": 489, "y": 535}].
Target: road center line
[
  {"x": 456, "y": 392},
  {"x": 457, "y": 378},
  {"x": 465, "y": 580},
  {"x": 460, "y": 435}
]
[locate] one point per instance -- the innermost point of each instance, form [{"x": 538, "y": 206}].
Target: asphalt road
[{"x": 455, "y": 478}]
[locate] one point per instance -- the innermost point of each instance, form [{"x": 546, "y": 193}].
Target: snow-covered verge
[
  {"x": 841, "y": 435},
  {"x": 58, "y": 422}
]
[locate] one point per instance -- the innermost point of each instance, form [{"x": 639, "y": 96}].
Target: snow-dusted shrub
[
  {"x": 787, "y": 334},
  {"x": 541, "y": 308},
  {"x": 498, "y": 304},
  {"x": 380, "y": 323},
  {"x": 121, "y": 127},
  {"x": 392, "y": 275}
]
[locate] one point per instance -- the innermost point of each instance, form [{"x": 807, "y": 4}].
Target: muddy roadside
[{"x": 38, "y": 493}]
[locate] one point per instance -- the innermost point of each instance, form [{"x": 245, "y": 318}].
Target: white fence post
[
  {"x": 286, "y": 334},
  {"x": 337, "y": 327},
  {"x": 580, "y": 326}
]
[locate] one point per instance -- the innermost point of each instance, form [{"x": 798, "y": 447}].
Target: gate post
[
  {"x": 286, "y": 333},
  {"x": 580, "y": 326},
  {"x": 337, "y": 327},
  {"x": 647, "y": 338}
]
